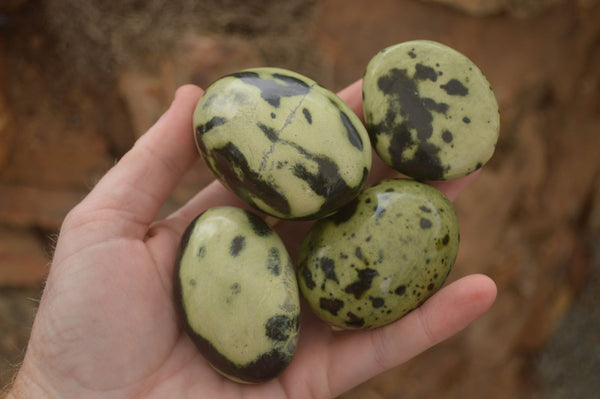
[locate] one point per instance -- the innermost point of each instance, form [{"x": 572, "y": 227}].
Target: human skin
[{"x": 106, "y": 326}]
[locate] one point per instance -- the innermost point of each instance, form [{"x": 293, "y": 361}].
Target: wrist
[
  {"x": 26, "y": 387},
  {"x": 21, "y": 389}
]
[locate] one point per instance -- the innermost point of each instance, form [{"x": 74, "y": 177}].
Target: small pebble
[
  {"x": 236, "y": 291},
  {"x": 380, "y": 256},
  {"x": 282, "y": 143},
  {"x": 430, "y": 112}
]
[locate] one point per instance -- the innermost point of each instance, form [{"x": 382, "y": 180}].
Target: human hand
[{"x": 106, "y": 326}]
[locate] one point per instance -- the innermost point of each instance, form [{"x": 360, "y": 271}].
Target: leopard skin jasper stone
[
  {"x": 430, "y": 112},
  {"x": 282, "y": 143},
  {"x": 237, "y": 294},
  {"x": 381, "y": 256}
]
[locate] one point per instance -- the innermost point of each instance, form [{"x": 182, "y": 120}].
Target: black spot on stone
[
  {"x": 237, "y": 244},
  {"x": 343, "y": 255},
  {"x": 185, "y": 239},
  {"x": 259, "y": 227},
  {"x": 245, "y": 75},
  {"x": 368, "y": 239},
  {"x": 446, "y": 239},
  {"x": 466, "y": 120},
  {"x": 478, "y": 166},
  {"x": 333, "y": 306},
  {"x": 279, "y": 327},
  {"x": 447, "y": 136},
  {"x": 425, "y": 209},
  {"x": 192, "y": 282},
  {"x": 328, "y": 267},
  {"x": 291, "y": 81},
  {"x": 206, "y": 127},
  {"x": 424, "y": 72},
  {"x": 377, "y": 302},
  {"x": 272, "y": 90},
  {"x": 235, "y": 288},
  {"x": 269, "y": 132},
  {"x": 351, "y": 132},
  {"x": 358, "y": 253},
  {"x": 424, "y": 164},
  {"x": 455, "y": 88},
  {"x": 228, "y": 160},
  {"x": 326, "y": 182},
  {"x": 307, "y": 115},
  {"x": 400, "y": 290},
  {"x": 308, "y": 279},
  {"x": 264, "y": 368},
  {"x": 345, "y": 213},
  {"x": 416, "y": 110},
  {"x": 201, "y": 251},
  {"x": 273, "y": 115},
  {"x": 430, "y": 286},
  {"x": 412, "y": 54},
  {"x": 431, "y": 105},
  {"x": 202, "y": 148},
  {"x": 365, "y": 279},
  {"x": 354, "y": 320},
  {"x": 274, "y": 261}
]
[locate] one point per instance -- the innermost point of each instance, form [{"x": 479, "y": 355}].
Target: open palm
[{"x": 107, "y": 328}]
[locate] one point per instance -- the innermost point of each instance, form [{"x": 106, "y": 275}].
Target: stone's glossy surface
[
  {"x": 380, "y": 256},
  {"x": 236, "y": 290},
  {"x": 284, "y": 144},
  {"x": 430, "y": 112}
]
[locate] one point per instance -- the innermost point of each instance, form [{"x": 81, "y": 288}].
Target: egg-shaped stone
[
  {"x": 237, "y": 294},
  {"x": 430, "y": 112},
  {"x": 381, "y": 256},
  {"x": 282, "y": 143}
]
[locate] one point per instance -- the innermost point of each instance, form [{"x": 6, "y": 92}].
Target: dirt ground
[{"x": 80, "y": 81}]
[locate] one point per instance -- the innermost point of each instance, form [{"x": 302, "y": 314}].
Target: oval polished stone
[
  {"x": 282, "y": 143},
  {"x": 430, "y": 112},
  {"x": 237, "y": 294},
  {"x": 380, "y": 256}
]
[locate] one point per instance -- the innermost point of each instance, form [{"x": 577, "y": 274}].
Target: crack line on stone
[{"x": 287, "y": 122}]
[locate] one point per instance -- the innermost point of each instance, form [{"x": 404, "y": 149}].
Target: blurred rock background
[{"x": 81, "y": 80}]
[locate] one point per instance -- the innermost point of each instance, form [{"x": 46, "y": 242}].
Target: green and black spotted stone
[
  {"x": 381, "y": 256},
  {"x": 282, "y": 143},
  {"x": 237, "y": 294},
  {"x": 430, "y": 112}
]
